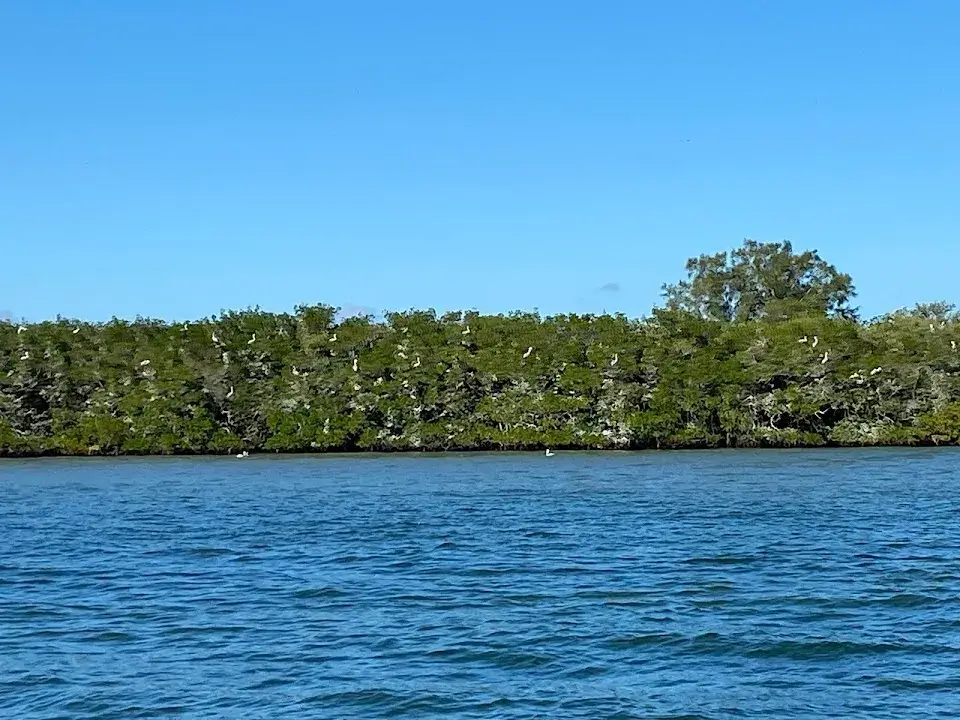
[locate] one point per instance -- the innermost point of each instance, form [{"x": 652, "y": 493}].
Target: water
[{"x": 677, "y": 585}]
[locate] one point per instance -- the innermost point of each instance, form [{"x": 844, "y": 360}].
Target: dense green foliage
[{"x": 759, "y": 348}]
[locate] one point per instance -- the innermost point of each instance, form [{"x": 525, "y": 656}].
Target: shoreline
[{"x": 484, "y": 452}]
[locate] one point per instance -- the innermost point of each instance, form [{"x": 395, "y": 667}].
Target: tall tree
[{"x": 762, "y": 280}]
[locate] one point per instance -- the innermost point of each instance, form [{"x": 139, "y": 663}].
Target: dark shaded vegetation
[{"x": 759, "y": 347}]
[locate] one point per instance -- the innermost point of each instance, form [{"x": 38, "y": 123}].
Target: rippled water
[{"x": 666, "y": 585}]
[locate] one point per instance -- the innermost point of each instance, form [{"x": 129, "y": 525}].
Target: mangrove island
[{"x": 759, "y": 347}]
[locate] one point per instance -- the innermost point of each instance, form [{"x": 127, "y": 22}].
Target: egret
[
  {"x": 76, "y": 330},
  {"x": 21, "y": 329},
  {"x": 466, "y": 332},
  {"x": 549, "y": 453},
  {"x": 816, "y": 341},
  {"x": 26, "y": 355},
  {"x": 295, "y": 371},
  {"x": 416, "y": 363},
  {"x": 932, "y": 328},
  {"x": 803, "y": 339},
  {"x": 826, "y": 356},
  {"x": 355, "y": 365},
  {"x": 876, "y": 370},
  {"x": 213, "y": 336},
  {"x": 144, "y": 363},
  {"x": 401, "y": 354},
  {"x": 252, "y": 340},
  {"x": 333, "y": 338},
  {"x": 528, "y": 352},
  {"x": 616, "y": 359},
  {"x": 953, "y": 344},
  {"x": 230, "y": 394}
]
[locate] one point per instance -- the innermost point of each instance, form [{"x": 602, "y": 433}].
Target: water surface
[{"x": 809, "y": 584}]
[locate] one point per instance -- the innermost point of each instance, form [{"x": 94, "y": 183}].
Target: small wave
[
  {"x": 364, "y": 698},
  {"x": 33, "y": 680},
  {"x": 821, "y": 649},
  {"x": 210, "y": 551},
  {"x": 497, "y": 658},
  {"x": 527, "y": 598},
  {"x": 112, "y": 636},
  {"x": 324, "y": 592},
  {"x": 542, "y": 534},
  {"x": 270, "y": 683},
  {"x": 204, "y": 630},
  {"x": 588, "y": 671},
  {"x": 916, "y": 685},
  {"x": 135, "y": 711},
  {"x": 909, "y": 600},
  {"x": 637, "y": 641},
  {"x": 724, "y": 560},
  {"x": 489, "y": 572}
]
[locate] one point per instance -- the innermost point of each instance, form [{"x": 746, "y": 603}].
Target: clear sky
[{"x": 177, "y": 157}]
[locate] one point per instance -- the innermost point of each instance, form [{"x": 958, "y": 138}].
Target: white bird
[
  {"x": 144, "y": 363},
  {"x": 401, "y": 354},
  {"x": 528, "y": 352},
  {"x": 549, "y": 453},
  {"x": 953, "y": 344},
  {"x": 616, "y": 359},
  {"x": 466, "y": 332},
  {"x": 932, "y": 328},
  {"x": 876, "y": 370},
  {"x": 378, "y": 381},
  {"x": 76, "y": 330},
  {"x": 356, "y": 387},
  {"x": 416, "y": 363},
  {"x": 295, "y": 371},
  {"x": 230, "y": 394},
  {"x": 21, "y": 329},
  {"x": 213, "y": 336},
  {"x": 243, "y": 455},
  {"x": 803, "y": 339},
  {"x": 184, "y": 328},
  {"x": 252, "y": 340},
  {"x": 25, "y": 356},
  {"x": 333, "y": 338},
  {"x": 826, "y": 356},
  {"x": 355, "y": 365},
  {"x": 816, "y": 341}
]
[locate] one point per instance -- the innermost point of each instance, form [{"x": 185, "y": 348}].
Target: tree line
[{"x": 759, "y": 347}]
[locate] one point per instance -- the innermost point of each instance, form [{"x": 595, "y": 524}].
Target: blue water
[{"x": 801, "y": 584}]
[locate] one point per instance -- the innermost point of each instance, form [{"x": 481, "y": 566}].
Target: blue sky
[{"x": 175, "y": 158}]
